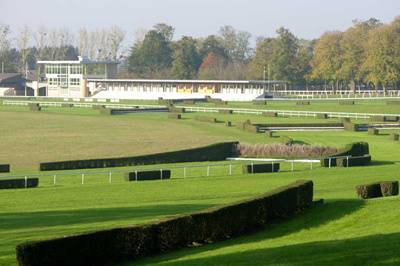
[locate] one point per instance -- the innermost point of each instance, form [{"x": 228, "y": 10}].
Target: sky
[{"x": 305, "y": 18}]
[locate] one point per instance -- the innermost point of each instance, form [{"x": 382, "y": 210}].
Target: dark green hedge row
[
  {"x": 147, "y": 175},
  {"x": 174, "y": 109},
  {"x": 270, "y": 114},
  {"x": 225, "y": 111},
  {"x": 373, "y": 131},
  {"x": 261, "y": 168},
  {"x": 346, "y": 102},
  {"x": 393, "y": 102},
  {"x": 214, "y": 152},
  {"x": 378, "y": 189},
  {"x": 18, "y": 183},
  {"x": 303, "y": 103},
  {"x": 248, "y": 126},
  {"x": 394, "y": 136},
  {"x": 34, "y": 107},
  {"x": 206, "y": 119},
  {"x": 356, "y": 149},
  {"x": 111, "y": 247},
  {"x": 259, "y": 102},
  {"x": 349, "y": 126},
  {"x": 385, "y": 118},
  {"x": 4, "y": 168},
  {"x": 322, "y": 116},
  {"x": 175, "y": 116},
  {"x": 353, "y": 161},
  {"x": 69, "y": 105}
]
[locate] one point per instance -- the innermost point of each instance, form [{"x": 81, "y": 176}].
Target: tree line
[{"x": 367, "y": 54}]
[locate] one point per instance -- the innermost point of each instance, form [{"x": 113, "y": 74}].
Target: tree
[
  {"x": 23, "y": 39},
  {"x": 211, "y": 67},
  {"x": 327, "y": 58},
  {"x": 186, "y": 59},
  {"x": 236, "y": 43},
  {"x": 7, "y": 55},
  {"x": 382, "y": 63},
  {"x": 165, "y": 30},
  {"x": 116, "y": 37},
  {"x": 263, "y": 57},
  {"x": 212, "y": 44},
  {"x": 151, "y": 56}
]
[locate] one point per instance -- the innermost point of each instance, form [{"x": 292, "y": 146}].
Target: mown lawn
[{"x": 345, "y": 230}]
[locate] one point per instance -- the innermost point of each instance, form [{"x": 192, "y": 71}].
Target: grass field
[{"x": 344, "y": 231}]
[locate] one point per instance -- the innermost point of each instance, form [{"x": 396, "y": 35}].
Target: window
[{"x": 74, "y": 82}]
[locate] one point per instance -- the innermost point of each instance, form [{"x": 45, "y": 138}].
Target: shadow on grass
[
  {"x": 26, "y": 220},
  {"x": 368, "y": 250},
  {"x": 376, "y": 163},
  {"x": 314, "y": 217}
]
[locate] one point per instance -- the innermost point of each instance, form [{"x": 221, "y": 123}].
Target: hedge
[
  {"x": 393, "y": 102},
  {"x": 225, "y": 111},
  {"x": 148, "y": 175},
  {"x": 394, "y": 136},
  {"x": 345, "y": 119},
  {"x": 4, "y": 168},
  {"x": 19, "y": 183},
  {"x": 261, "y": 168},
  {"x": 206, "y": 119},
  {"x": 259, "y": 102},
  {"x": 214, "y": 152},
  {"x": 34, "y": 107},
  {"x": 175, "y": 116},
  {"x": 353, "y": 161},
  {"x": 373, "y": 131},
  {"x": 228, "y": 123},
  {"x": 114, "y": 246},
  {"x": 382, "y": 118},
  {"x": 174, "y": 109},
  {"x": 346, "y": 102},
  {"x": 270, "y": 114},
  {"x": 355, "y": 149},
  {"x": 98, "y": 106},
  {"x": 349, "y": 126},
  {"x": 322, "y": 116},
  {"x": 248, "y": 126},
  {"x": 188, "y": 102},
  {"x": 303, "y": 103},
  {"x": 378, "y": 189},
  {"x": 68, "y": 105}
]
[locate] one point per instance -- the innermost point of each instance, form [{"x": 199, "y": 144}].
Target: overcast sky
[{"x": 306, "y": 18}]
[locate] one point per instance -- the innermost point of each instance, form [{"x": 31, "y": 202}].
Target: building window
[{"x": 74, "y": 82}]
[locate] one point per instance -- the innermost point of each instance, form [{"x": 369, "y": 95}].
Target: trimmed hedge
[
  {"x": 259, "y": 102},
  {"x": 346, "y": 102},
  {"x": 206, "y": 119},
  {"x": 174, "y": 109},
  {"x": 225, "y": 111},
  {"x": 378, "y": 189},
  {"x": 34, "y": 107},
  {"x": 322, "y": 116},
  {"x": 393, "y": 102},
  {"x": 345, "y": 120},
  {"x": 385, "y": 118},
  {"x": 373, "y": 131},
  {"x": 353, "y": 161},
  {"x": 67, "y": 105},
  {"x": 4, "y": 168},
  {"x": 148, "y": 175},
  {"x": 98, "y": 106},
  {"x": 248, "y": 126},
  {"x": 356, "y": 149},
  {"x": 19, "y": 183},
  {"x": 270, "y": 114},
  {"x": 369, "y": 191},
  {"x": 228, "y": 123},
  {"x": 175, "y": 116},
  {"x": 389, "y": 188},
  {"x": 394, "y": 136},
  {"x": 188, "y": 102},
  {"x": 261, "y": 168},
  {"x": 214, "y": 152},
  {"x": 349, "y": 126},
  {"x": 303, "y": 103},
  {"x": 110, "y": 247}
]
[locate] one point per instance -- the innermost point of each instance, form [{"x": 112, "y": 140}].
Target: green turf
[{"x": 345, "y": 230}]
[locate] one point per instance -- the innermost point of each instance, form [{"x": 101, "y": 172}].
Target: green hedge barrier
[
  {"x": 393, "y": 102},
  {"x": 322, "y": 116},
  {"x": 382, "y": 118},
  {"x": 114, "y": 246},
  {"x": 35, "y": 107},
  {"x": 206, "y": 119},
  {"x": 378, "y": 189},
  {"x": 19, "y": 183},
  {"x": 67, "y": 105},
  {"x": 225, "y": 111},
  {"x": 175, "y": 116},
  {"x": 259, "y": 102},
  {"x": 373, "y": 131},
  {"x": 214, "y": 152},
  {"x": 4, "y": 168},
  {"x": 270, "y": 114},
  {"x": 394, "y": 136},
  {"x": 349, "y": 126},
  {"x": 355, "y": 149},
  {"x": 303, "y": 103},
  {"x": 148, "y": 175},
  {"x": 353, "y": 161},
  {"x": 174, "y": 109},
  {"x": 261, "y": 168}
]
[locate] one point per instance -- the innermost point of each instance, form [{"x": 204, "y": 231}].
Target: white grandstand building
[{"x": 97, "y": 79}]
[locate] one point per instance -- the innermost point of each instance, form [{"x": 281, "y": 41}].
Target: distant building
[
  {"x": 12, "y": 84},
  {"x": 98, "y": 79}
]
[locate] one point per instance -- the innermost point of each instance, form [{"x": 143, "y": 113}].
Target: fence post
[
  {"x": 184, "y": 172},
  {"x": 252, "y": 167},
  {"x": 347, "y": 161},
  {"x": 83, "y": 178},
  {"x": 230, "y": 169},
  {"x": 208, "y": 170},
  {"x": 26, "y": 181},
  {"x": 110, "y": 177},
  {"x": 311, "y": 165},
  {"x": 292, "y": 166},
  {"x": 329, "y": 162},
  {"x": 161, "y": 173},
  {"x": 272, "y": 166},
  {"x": 54, "y": 179},
  {"x": 135, "y": 175}
]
